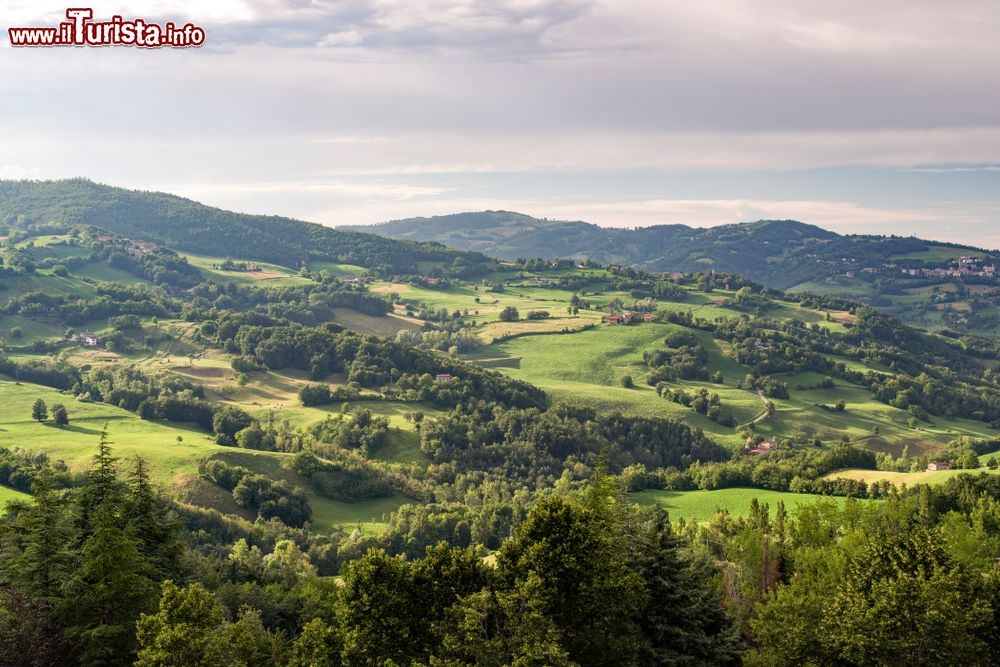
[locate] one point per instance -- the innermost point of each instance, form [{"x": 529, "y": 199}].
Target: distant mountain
[
  {"x": 184, "y": 224},
  {"x": 778, "y": 253}
]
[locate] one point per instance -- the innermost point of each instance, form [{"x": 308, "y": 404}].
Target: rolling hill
[
  {"x": 187, "y": 225},
  {"x": 777, "y": 253}
]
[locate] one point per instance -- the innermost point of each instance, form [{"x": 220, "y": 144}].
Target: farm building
[
  {"x": 443, "y": 377},
  {"x": 937, "y": 466},
  {"x": 88, "y": 339},
  {"x": 763, "y": 447}
]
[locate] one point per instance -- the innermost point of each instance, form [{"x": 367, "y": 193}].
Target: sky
[{"x": 858, "y": 116}]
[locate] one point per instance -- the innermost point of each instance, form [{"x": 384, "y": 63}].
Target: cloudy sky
[{"x": 860, "y": 116}]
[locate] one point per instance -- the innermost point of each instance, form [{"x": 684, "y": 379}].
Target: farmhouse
[
  {"x": 763, "y": 447},
  {"x": 88, "y": 339},
  {"x": 443, "y": 377},
  {"x": 937, "y": 466}
]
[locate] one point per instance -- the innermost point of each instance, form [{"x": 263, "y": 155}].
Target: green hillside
[{"x": 187, "y": 225}]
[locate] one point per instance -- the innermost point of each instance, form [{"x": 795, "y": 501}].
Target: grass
[
  {"x": 387, "y": 325},
  {"x": 338, "y": 270},
  {"x": 76, "y": 444},
  {"x": 702, "y": 505},
  {"x": 270, "y": 275},
  {"x": 497, "y": 331},
  {"x": 940, "y": 253},
  {"x": 908, "y": 478},
  {"x": 12, "y": 287},
  {"x": 368, "y": 516},
  {"x": 463, "y": 298},
  {"x": 108, "y": 273},
  {"x": 587, "y": 367},
  {"x": 8, "y": 494},
  {"x": 31, "y": 330}
]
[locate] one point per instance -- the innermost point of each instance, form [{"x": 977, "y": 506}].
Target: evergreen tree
[
  {"x": 47, "y": 533},
  {"x": 586, "y": 587},
  {"x": 106, "y": 593},
  {"x": 102, "y": 488},
  {"x": 683, "y": 622},
  {"x": 156, "y": 528}
]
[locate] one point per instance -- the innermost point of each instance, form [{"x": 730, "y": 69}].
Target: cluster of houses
[
  {"x": 762, "y": 447},
  {"x": 628, "y": 317},
  {"x": 965, "y": 266},
  {"x": 133, "y": 248},
  {"x": 961, "y": 267},
  {"x": 351, "y": 279}
]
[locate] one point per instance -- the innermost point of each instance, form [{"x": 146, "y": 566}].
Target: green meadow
[{"x": 703, "y": 505}]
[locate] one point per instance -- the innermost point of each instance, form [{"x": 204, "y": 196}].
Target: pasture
[{"x": 701, "y": 506}]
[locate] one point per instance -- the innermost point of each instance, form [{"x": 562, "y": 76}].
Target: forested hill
[
  {"x": 778, "y": 253},
  {"x": 184, "y": 224}
]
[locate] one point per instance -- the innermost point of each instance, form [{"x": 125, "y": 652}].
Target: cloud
[{"x": 382, "y": 108}]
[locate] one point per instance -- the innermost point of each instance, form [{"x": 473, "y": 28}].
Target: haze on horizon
[{"x": 859, "y": 117}]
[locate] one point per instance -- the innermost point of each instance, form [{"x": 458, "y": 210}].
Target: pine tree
[
  {"x": 47, "y": 538},
  {"x": 148, "y": 518},
  {"x": 683, "y": 621},
  {"x": 39, "y": 411},
  {"x": 101, "y": 487},
  {"x": 106, "y": 593}
]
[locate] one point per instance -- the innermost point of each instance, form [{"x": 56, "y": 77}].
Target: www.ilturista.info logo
[{"x": 81, "y": 30}]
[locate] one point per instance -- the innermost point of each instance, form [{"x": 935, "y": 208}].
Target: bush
[
  {"x": 59, "y": 415},
  {"x": 509, "y": 314}
]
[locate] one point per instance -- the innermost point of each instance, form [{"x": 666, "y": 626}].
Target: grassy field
[
  {"x": 106, "y": 272},
  {"x": 270, "y": 275},
  {"x": 388, "y": 325},
  {"x": 75, "y": 444},
  {"x": 8, "y": 494},
  {"x": 702, "y": 505},
  {"x": 588, "y": 367},
  {"x": 908, "y": 478},
  {"x": 173, "y": 464},
  {"x": 497, "y": 331},
  {"x": 487, "y": 309}
]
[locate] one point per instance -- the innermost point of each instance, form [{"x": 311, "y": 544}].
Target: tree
[
  {"x": 156, "y": 528},
  {"x": 30, "y": 635},
  {"x": 376, "y": 612},
  {"x": 185, "y": 631},
  {"x": 628, "y": 382},
  {"x": 59, "y": 415},
  {"x": 39, "y": 411},
  {"x": 47, "y": 531},
  {"x": 585, "y": 585},
  {"x": 106, "y": 593},
  {"x": 317, "y": 644},
  {"x": 683, "y": 621},
  {"x": 509, "y": 314}
]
